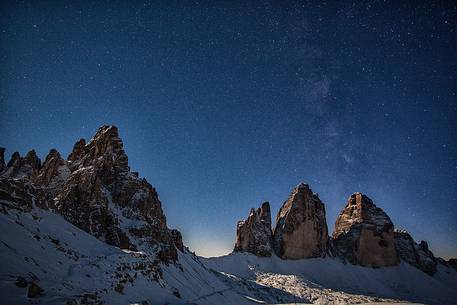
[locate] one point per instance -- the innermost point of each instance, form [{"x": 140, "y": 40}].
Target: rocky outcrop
[
  {"x": 23, "y": 193},
  {"x": 413, "y": 253},
  {"x": 13, "y": 167},
  {"x": 84, "y": 202},
  {"x": 94, "y": 190},
  {"x": 301, "y": 229},
  {"x": 452, "y": 262},
  {"x": 34, "y": 290},
  {"x": 32, "y": 160},
  {"x": 364, "y": 234},
  {"x": 54, "y": 171},
  {"x": 26, "y": 167},
  {"x": 103, "y": 198},
  {"x": 254, "y": 234},
  {"x": 78, "y": 151}
]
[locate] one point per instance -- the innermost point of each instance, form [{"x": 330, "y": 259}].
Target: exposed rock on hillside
[
  {"x": 54, "y": 171},
  {"x": 301, "y": 229},
  {"x": 103, "y": 198},
  {"x": 254, "y": 234},
  {"x": 24, "y": 195},
  {"x": 78, "y": 150},
  {"x": 364, "y": 234},
  {"x": 26, "y": 167},
  {"x": 95, "y": 191},
  {"x": 415, "y": 254}
]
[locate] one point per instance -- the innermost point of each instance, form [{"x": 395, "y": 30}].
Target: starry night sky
[{"x": 223, "y": 106}]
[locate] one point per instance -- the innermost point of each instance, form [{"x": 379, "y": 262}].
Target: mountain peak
[
  {"x": 364, "y": 233},
  {"x": 78, "y": 150},
  {"x": 106, "y": 131},
  {"x": 254, "y": 234},
  {"x": 107, "y": 144},
  {"x": 301, "y": 228},
  {"x": 104, "y": 152},
  {"x": 302, "y": 187}
]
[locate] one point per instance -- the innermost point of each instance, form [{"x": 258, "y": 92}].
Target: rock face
[
  {"x": 254, "y": 234},
  {"x": 78, "y": 150},
  {"x": 54, "y": 171},
  {"x": 23, "y": 193},
  {"x": 103, "y": 198},
  {"x": 301, "y": 229},
  {"x": 94, "y": 190},
  {"x": 364, "y": 234},
  {"x": 452, "y": 262},
  {"x": 18, "y": 167},
  {"x": 415, "y": 254}
]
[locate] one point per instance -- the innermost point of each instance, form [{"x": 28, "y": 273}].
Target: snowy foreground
[
  {"x": 73, "y": 267},
  {"x": 330, "y": 281}
]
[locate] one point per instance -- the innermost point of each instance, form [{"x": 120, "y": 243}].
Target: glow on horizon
[{"x": 209, "y": 247}]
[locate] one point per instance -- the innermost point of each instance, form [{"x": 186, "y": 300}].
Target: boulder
[
  {"x": 34, "y": 290},
  {"x": 301, "y": 229},
  {"x": 364, "y": 234},
  {"x": 254, "y": 234}
]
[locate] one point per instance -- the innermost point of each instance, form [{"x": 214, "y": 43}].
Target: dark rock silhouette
[
  {"x": 254, "y": 234},
  {"x": 413, "y": 253}
]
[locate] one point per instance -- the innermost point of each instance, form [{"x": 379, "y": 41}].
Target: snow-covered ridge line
[{"x": 330, "y": 280}]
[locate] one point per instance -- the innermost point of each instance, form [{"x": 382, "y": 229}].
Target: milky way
[{"x": 224, "y": 106}]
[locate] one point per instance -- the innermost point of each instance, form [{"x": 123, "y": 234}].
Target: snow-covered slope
[
  {"x": 74, "y": 267},
  {"x": 330, "y": 281},
  {"x": 87, "y": 230},
  {"x": 39, "y": 248}
]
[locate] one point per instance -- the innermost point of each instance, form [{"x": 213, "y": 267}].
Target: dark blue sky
[{"x": 224, "y": 106}]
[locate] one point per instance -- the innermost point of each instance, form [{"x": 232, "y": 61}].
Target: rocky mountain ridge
[
  {"x": 363, "y": 235},
  {"x": 88, "y": 230},
  {"x": 95, "y": 190}
]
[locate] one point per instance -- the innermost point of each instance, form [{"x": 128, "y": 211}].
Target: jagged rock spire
[
  {"x": 364, "y": 234},
  {"x": 104, "y": 152},
  {"x": 418, "y": 255},
  {"x": 54, "y": 171},
  {"x": 78, "y": 150},
  {"x": 26, "y": 167},
  {"x": 265, "y": 214},
  {"x": 254, "y": 234},
  {"x": 103, "y": 198},
  {"x": 15, "y": 160},
  {"x": 32, "y": 159},
  {"x": 301, "y": 229}
]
